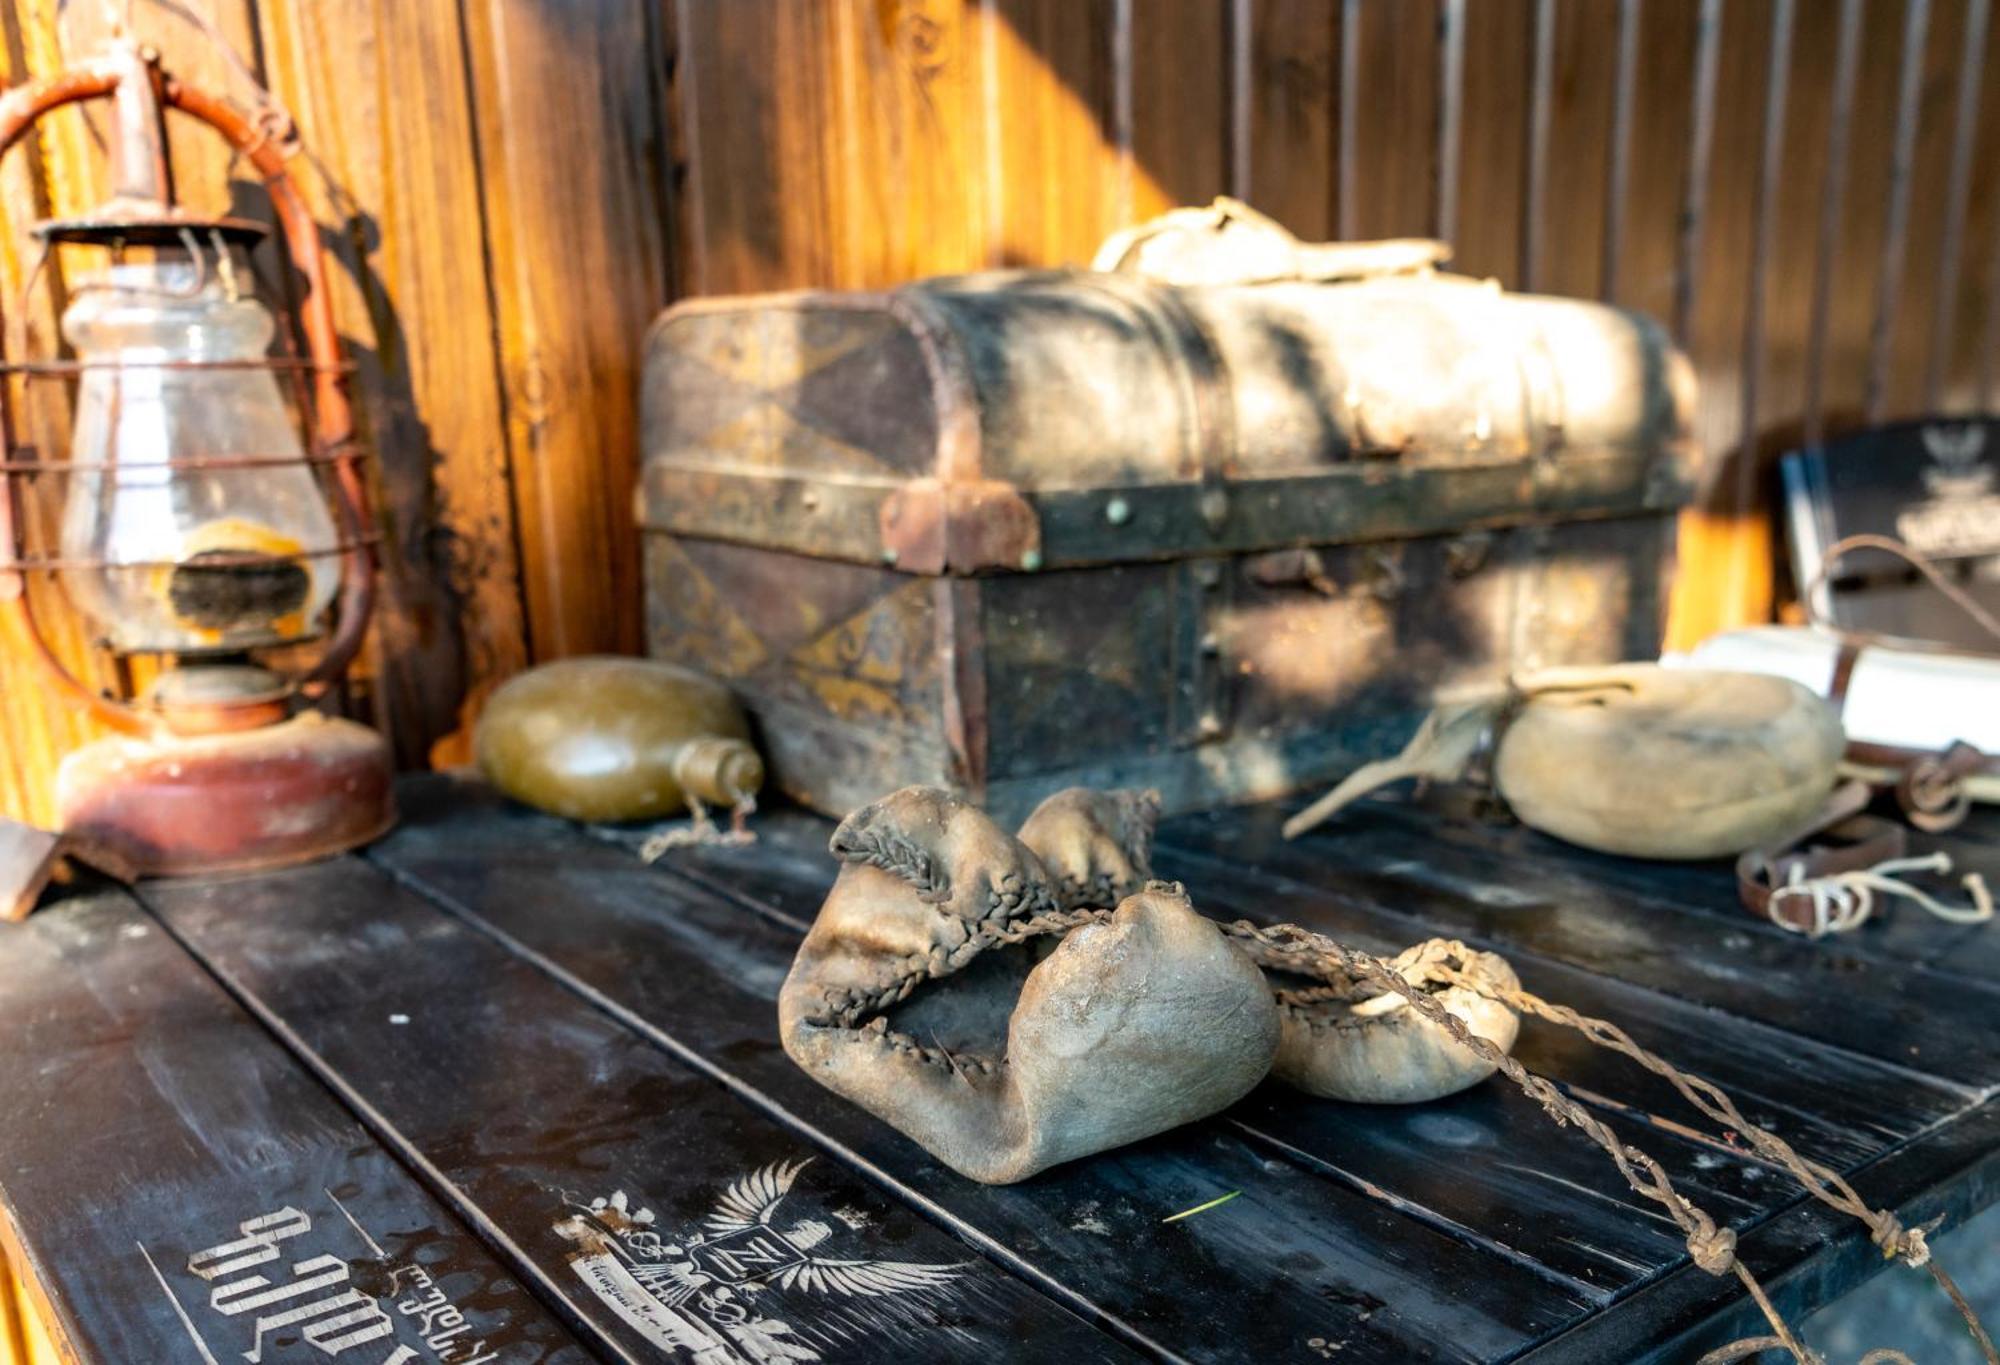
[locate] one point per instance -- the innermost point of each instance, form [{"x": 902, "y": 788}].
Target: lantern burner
[{"x": 119, "y": 223}]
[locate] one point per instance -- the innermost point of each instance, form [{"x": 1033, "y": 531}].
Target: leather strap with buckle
[{"x": 1838, "y": 839}]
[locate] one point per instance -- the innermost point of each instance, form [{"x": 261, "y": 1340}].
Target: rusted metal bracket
[
  {"x": 930, "y": 526},
  {"x": 1286, "y": 568}
]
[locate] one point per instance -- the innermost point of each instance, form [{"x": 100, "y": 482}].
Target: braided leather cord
[{"x": 1290, "y": 948}]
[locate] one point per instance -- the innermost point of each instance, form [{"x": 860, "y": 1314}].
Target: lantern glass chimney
[{"x": 184, "y": 529}]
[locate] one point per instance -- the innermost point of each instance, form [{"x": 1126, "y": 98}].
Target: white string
[{"x": 1843, "y": 901}]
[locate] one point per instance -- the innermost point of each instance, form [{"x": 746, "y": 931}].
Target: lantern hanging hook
[
  {"x": 273, "y": 121},
  {"x": 225, "y": 265}
]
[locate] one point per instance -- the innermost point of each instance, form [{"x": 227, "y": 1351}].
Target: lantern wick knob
[{"x": 217, "y": 697}]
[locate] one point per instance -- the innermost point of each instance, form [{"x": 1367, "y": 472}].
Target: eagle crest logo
[
  {"x": 706, "y": 1290},
  {"x": 1956, "y": 467}
]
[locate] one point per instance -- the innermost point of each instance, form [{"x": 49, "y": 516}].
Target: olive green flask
[{"x": 617, "y": 739}]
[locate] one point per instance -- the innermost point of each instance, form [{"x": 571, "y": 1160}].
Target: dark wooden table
[{"x": 496, "y": 1090}]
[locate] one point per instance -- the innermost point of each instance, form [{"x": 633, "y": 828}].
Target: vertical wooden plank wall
[
  {"x": 573, "y": 151},
  {"x": 513, "y": 188}
]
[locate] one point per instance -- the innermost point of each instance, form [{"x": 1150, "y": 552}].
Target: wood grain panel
[
  {"x": 1909, "y": 330},
  {"x": 754, "y": 85},
  {"x": 572, "y": 159},
  {"x": 1396, "y": 134},
  {"x": 1661, "y": 134},
  {"x": 1295, "y": 73},
  {"x": 1053, "y": 112},
  {"x": 1584, "y": 49},
  {"x": 1730, "y": 551},
  {"x": 1726, "y": 539},
  {"x": 1788, "y": 284},
  {"x": 1971, "y": 300},
  {"x": 908, "y": 100},
  {"x": 1493, "y": 171},
  {"x": 384, "y": 108},
  {"x": 1180, "y": 83}
]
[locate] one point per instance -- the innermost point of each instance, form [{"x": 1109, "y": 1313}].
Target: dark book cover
[{"x": 1932, "y": 485}]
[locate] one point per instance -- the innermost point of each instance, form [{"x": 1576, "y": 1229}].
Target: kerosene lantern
[{"x": 207, "y": 526}]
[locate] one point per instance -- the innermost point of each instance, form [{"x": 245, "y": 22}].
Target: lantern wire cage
[{"x": 193, "y": 255}]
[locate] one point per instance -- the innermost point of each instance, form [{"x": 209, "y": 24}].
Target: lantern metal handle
[{"x": 333, "y": 427}]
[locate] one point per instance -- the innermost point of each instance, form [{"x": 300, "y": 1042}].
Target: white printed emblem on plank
[{"x": 717, "y": 1292}]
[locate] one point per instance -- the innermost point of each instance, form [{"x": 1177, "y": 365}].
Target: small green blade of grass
[{"x": 1201, "y": 1208}]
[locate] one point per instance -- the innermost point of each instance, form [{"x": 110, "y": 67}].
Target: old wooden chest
[{"x": 1016, "y": 531}]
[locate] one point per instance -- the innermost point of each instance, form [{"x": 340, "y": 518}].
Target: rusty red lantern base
[{"x": 167, "y": 806}]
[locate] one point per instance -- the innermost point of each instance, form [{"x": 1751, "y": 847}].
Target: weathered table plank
[
  {"x": 1407, "y": 838},
  {"x": 1901, "y": 1014},
  {"x": 554, "y": 1125},
  {"x": 1832, "y": 1104},
  {"x": 149, "y": 1122},
  {"x": 1806, "y": 1258},
  {"x": 1354, "y": 1269}
]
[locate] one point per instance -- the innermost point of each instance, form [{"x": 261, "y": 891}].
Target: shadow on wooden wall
[{"x": 514, "y": 188}]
